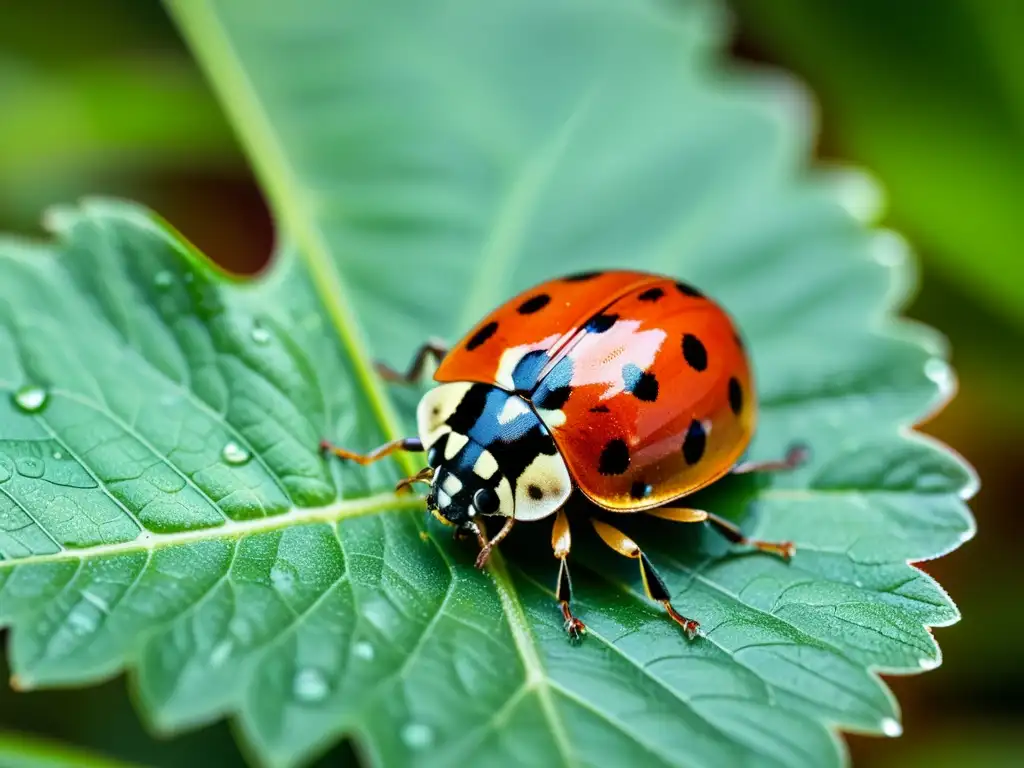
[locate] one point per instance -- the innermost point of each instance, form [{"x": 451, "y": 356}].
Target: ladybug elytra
[{"x": 630, "y": 388}]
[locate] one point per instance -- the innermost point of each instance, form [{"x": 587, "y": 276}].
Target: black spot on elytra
[
  {"x": 688, "y": 290},
  {"x": 534, "y": 304},
  {"x": 535, "y": 492},
  {"x": 694, "y": 443},
  {"x": 601, "y": 323},
  {"x": 694, "y": 352},
  {"x": 640, "y": 490},
  {"x": 735, "y": 396},
  {"x": 600, "y": 409},
  {"x": 553, "y": 399},
  {"x": 481, "y": 336},
  {"x": 646, "y": 387},
  {"x": 614, "y": 457},
  {"x": 579, "y": 277},
  {"x": 651, "y": 294}
]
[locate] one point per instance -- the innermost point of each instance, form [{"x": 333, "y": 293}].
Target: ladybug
[{"x": 629, "y": 388}]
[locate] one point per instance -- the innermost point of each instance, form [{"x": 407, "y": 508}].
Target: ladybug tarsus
[
  {"x": 690, "y": 627},
  {"x": 784, "y": 549},
  {"x": 483, "y": 556},
  {"x": 575, "y": 628}
]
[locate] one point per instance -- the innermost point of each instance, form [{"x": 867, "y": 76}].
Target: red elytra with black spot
[{"x": 659, "y": 402}]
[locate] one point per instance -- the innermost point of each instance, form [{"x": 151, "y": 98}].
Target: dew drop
[
  {"x": 163, "y": 279},
  {"x": 938, "y": 371},
  {"x": 221, "y": 653},
  {"x": 891, "y": 728},
  {"x": 58, "y": 455},
  {"x": 417, "y": 735},
  {"x": 235, "y": 454},
  {"x": 927, "y": 664},
  {"x": 31, "y": 399},
  {"x": 83, "y": 620},
  {"x": 30, "y": 466},
  {"x": 890, "y": 249},
  {"x": 310, "y": 685},
  {"x": 260, "y": 334},
  {"x": 363, "y": 650},
  {"x": 859, "y": 195}
]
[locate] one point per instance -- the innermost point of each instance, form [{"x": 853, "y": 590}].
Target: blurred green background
[{"x": 100, "y": 97}]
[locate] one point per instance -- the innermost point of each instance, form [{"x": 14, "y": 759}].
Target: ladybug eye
[
  {"x": 486, "y": 501},
  {"x": 433, "y": 456}
]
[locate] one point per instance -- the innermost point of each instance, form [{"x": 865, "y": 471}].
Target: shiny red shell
[{"x": 642, "y": 380}]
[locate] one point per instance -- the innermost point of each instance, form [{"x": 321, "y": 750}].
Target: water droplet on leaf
[
  {"x": 58, "y": 455},
  {"x": 310, "y": 685},
  {"x": 30, "y": 466},
  {"x": 417, "y": 735},
  {"x": 235, "y": 454},
  {"x": 363, "y": 650},
  {"x": 163, "y": 279},
  {"x": 939, "y": 372},
  {"x": 221, "y": 652},
  {"x": 31, "y": 399},
  {"x": 891, "y": 728},
  {"x": 260, "y": 334}
]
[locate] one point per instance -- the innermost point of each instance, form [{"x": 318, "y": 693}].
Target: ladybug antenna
[{"x": 425, "y": 475}]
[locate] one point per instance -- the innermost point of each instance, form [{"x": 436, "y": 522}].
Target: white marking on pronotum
[
  {"x": 454, "y": 445},
  {"x": 514, "y": 407},
  {"x": 443, "y": 499},
  {"x": 486, "y": 465}
]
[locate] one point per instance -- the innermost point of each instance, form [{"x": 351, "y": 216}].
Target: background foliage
[{"x": 193, "y": 174}]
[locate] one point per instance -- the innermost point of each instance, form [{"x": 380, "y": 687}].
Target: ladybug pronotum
[{"x": 630, "y": 388}]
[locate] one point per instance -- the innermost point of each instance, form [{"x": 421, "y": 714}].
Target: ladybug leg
[
  {"x": 795, "y": 456},
  {"x": 679, "y": 514},
  {"x": 560, "y": 543},
  {"x": 431, "y": 348},
  {"x": 412, "y": 444},
  {"x": 784, "y": 549},
  {"x": 487, "y": 545},
  {"x": 653, "y": 585}
]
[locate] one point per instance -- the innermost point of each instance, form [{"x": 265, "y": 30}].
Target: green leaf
[
  {"x": 20, "y": 751},
  {"x": 951, "y": 155},
  {"x": 164, "y": 506}
]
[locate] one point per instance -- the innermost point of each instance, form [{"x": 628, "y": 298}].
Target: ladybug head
[{"x": 458, "y": 493}]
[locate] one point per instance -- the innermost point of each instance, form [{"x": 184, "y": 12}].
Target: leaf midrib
[
  {"x": 147, "y": 542},
  {"x": 205, "y": 35}
]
